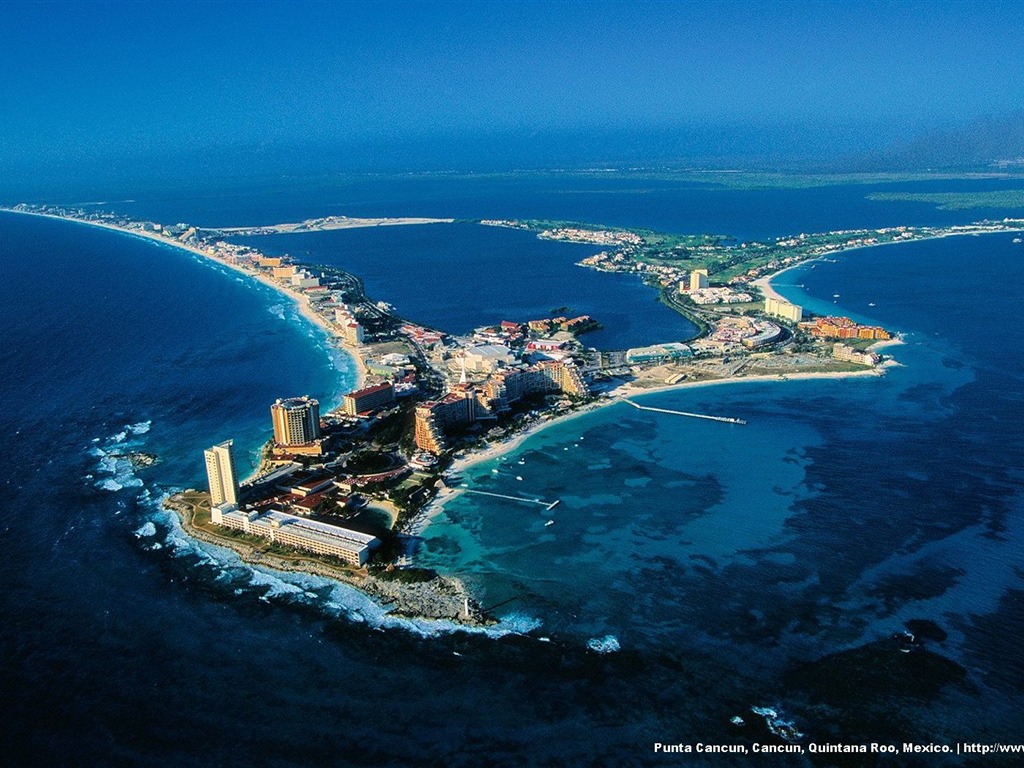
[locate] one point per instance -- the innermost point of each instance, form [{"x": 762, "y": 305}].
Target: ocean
[
  {"x": 694, "y": 570},
  {"x": 458, "y": 277}
]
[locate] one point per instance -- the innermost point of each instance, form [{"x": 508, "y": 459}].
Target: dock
[
  {"x": 725, "y": 419},
  {"x": 549, "y": 505}
]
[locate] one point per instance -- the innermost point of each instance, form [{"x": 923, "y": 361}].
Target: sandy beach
[
  {"x": 301, "y": 300},
  {"x": 769, "y": 292},
  {"x": 496, "y": 450},
  {"x": 325, "y": 224},
  {"x": 617, "y": 396}
]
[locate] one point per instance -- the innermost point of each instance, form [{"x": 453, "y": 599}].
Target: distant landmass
[{"x": 990, "y": 142}]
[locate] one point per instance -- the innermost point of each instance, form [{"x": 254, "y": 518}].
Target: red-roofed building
[{"x": 369, "y": 399}]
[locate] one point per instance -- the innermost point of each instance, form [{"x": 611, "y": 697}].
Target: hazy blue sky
[{"x": 88, "y": 81}]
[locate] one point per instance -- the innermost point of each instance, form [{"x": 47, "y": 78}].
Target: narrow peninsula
[{"x": 344, "y": 493}]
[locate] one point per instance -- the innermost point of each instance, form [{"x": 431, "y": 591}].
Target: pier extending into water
[
  {"x": 726, "y": 419},
  {"x": 546, "y": 504}
]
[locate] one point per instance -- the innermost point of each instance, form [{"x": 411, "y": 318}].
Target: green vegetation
[
  {"x": 405, "y": 575},
  {"x": 735, "y": 179},
  {"x": 1009, "y": 199},
  {"x": 368, "y": 462}
]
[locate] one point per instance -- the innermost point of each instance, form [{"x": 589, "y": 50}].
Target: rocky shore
[{"x": 438, "y": 598}]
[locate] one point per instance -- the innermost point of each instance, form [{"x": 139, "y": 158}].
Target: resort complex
[{"x": 327, "y": 481}]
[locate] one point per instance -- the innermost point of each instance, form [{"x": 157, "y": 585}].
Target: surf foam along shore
[{"x": 377, "y": 603}]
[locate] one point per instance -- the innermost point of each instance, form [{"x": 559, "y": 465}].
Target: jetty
[
  {"x": 725, "y": 419},
  {"x": 549, "y": 505}
]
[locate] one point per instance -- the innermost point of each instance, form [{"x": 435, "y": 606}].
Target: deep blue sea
[
  {"x": 693, "y": 569},
  {"x": 460, "y": 276}
]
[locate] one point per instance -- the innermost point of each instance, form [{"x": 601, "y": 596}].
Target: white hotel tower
[{"x": 220, "y": 471}]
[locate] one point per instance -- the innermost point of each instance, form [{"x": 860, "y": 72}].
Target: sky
[{"x": 100, "y": 82}]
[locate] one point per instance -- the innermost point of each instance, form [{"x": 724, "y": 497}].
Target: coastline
[
  {"x": 301, "y": 301},
  {"x": 442, "y": 598},
  {"x": 769, "y": 292},
  {"x": 394, "y": 592},
  {"x": 618, "y": 394}
]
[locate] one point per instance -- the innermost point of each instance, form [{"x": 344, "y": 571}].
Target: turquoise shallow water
[{"x": 842, "y": 510}]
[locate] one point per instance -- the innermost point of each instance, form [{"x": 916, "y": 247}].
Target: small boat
[
  {"x": 835, "y": 295},
  {"x": 871, "y": 303},
  {"x": 549, "y": 522},
  {"x": 494, "y": 471},
  {"x": 1016, "y": 240},
  {"x": 519, "y": 477}
]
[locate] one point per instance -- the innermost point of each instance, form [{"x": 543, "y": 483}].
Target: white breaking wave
[
  {"x": 335, "y": 599},
  {"x": 606, "y": 644},
  {"x": 117, "y": 468},
  {"x": 276, "y": 586}
]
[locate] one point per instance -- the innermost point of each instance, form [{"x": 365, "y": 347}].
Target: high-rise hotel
[
  {"x": 296, "y": 421},
  {"x": 220, "y": 471}
]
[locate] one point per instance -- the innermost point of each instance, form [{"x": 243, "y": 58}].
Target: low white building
[
  {"x": 310, "y": 535},
  {"x": 304, "y": 279},
  {"x": 485, "y": 358}
]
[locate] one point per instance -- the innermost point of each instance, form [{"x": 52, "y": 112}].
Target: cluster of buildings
[
  {"x": 421, "y": 336},
  {"x": 274, "y": 524},
  {"x": 697, "y": 288},
  {"x": 623, "y": 261},
  {"x": 705, "y": 296},
  {"x": 467, "y": 403},
  {"x": 842, "y": 328},
  {"x": 548, "y": 325},
  {"x": 592, "y": 236},
  {"x": 291, "y": 275},
  {"x": 733, "y": 332}
]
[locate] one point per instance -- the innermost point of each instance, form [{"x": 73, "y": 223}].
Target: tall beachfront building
[
  {"x": 296, "y": 420},
  {"x": 783, "y": 309},
  {"x": 220, "y": 471}
]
